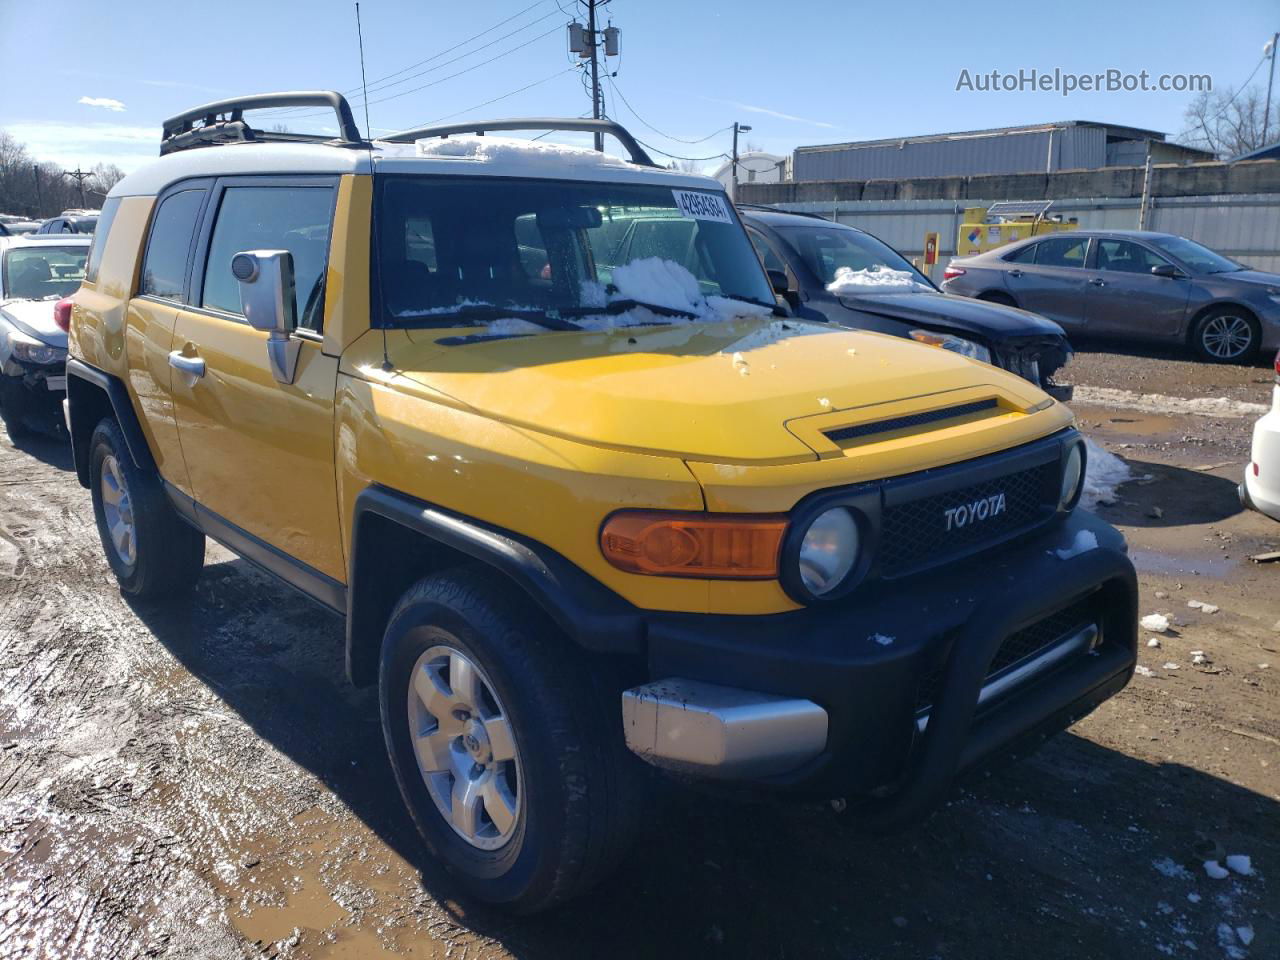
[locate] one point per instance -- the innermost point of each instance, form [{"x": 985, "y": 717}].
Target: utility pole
[
  {"x": 1266, "y": 114},
  {"x": 737, "y": 128},
  {"x": 79, "y": 176},
  {"x": 585, "y": 42}
]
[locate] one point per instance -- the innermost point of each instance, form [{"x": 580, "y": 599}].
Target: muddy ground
[{"x": 203, "y": 784}]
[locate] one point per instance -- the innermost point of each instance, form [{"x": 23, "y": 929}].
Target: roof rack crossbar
[
  {"x": 223, "y": 120},
  {"x": 577, "y": 124}
]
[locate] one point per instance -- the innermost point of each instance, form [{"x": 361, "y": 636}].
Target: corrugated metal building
[{"x": 1044, "y": 148}]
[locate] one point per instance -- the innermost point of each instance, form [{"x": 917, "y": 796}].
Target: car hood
[
  {"x": 35, "y": 319},
  {"x": 722, "y": 392},
  {"x": 992, "y": 321},
  {"x": 1259, "y": 277}
]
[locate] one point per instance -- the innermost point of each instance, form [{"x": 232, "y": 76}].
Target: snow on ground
[
  {"x": 849, "y": 281},
  {"x": 1159, "y": 403},
  {"x": 1104, "y": 472},
  {"x": 513, "y": 150},
  {"x": 1155, "y": 622}
]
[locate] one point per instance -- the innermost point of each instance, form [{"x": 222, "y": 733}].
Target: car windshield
[
  {"x": 1199, "y": 258},
  {"x": 829, "y": 249},
  {"x": 47, "y": 270},
  {"x": 467, "y": 251}
]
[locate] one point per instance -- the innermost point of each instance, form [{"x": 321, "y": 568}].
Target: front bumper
[
  {"x": 1260, "y": 490},
  {"x": 896, "y": 676},
  {"x": 33, "y": 392}
]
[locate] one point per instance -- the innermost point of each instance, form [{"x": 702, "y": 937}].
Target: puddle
[{"x": 1170, "y": 563}]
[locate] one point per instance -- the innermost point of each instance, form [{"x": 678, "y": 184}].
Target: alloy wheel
[
  {"x": 1227, "y": 337},
  {"x": 117, "y": 507},
  {"x": 465, "y": 747}
]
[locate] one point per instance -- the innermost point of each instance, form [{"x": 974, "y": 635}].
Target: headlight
[
  {"x": 828, "y": 551},
  {"x": 966, "y": 348},
  {"x": 1072, "y": 477},
  {"x": 29, "y": 350}
]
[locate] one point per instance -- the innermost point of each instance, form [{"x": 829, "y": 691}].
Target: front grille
[
  {"x": 1018, "y": 647},
  {"x": 919, "y": 534}
]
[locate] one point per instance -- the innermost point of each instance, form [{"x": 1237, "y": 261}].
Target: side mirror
[
  {"x": 1166, "y": 270},
  {"x": 267, "y": 296}
]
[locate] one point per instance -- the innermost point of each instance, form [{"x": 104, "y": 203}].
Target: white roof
[
  {"x": 46, "y": 239},
  {"x": 495, "y": 156}
]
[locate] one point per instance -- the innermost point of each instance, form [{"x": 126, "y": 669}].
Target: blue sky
[{"x": 800, "y": 73}]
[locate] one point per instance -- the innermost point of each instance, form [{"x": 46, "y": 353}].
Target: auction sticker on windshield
[{"x": 702, "y": 206}]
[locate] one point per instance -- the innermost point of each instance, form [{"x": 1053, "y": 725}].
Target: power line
[
  {"x": 717, "y": 156},
  {"x": 614, "y": 87},
  {"x": 477, "y": 106},
  {"x": 476, "y": 66}
]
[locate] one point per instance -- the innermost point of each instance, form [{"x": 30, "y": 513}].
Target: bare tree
[
  {"x": 105, "y": 176},
  {"x": 1228, "y": 122},
  {"x": 38, "y": 190}
]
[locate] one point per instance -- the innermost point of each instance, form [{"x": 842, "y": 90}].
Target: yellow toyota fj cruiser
[{"x": 531, "y": 418}]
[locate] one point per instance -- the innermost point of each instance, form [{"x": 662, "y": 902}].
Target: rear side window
[
  {"x": 100, "y": 238},
  {"x": 1025, "y": 255},
  {"x": 293, "y": 218},
  {"x": 1062, "y": 252},
  {"x": 164, "y": 270}
]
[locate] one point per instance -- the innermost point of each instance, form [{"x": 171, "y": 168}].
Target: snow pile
[
  {"x": 1216, "y": 870},
  {"x": 1142, "y": 671},
  {"x": 881, "y": 639},
  {"x": 1241, "y": 863},
  {"x": 1103, "y": 474},
  {"x": 1155, "y": 622},
  {"x": 1168, "y": 867},
  {"x": 663, "y": 283},
  {"x": 1202, "y": 606},
  {"x": 1084, "y": 542},
  {"x": 527, "y": 153},
  {"x": 849, "y": 281},
  {"x": 1159, "y": 403},
  {"x": 1153, "y": 642}
]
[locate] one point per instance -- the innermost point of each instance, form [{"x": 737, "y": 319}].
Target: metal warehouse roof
[{"x": 1122, "y": 132}]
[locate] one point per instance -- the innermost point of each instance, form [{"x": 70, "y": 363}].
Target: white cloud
[
  {"x": 85, "y": 144},
  {"x": 752, "y": 108},
  {"x": 105, "y": 102}
]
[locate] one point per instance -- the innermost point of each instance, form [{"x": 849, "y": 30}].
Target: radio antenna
[{"x": 364, "y": 86}]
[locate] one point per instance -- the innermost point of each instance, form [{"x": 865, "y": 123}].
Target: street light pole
[
  {"x": 1266, "y": 114},
  {"x": 737, "y": 128}
]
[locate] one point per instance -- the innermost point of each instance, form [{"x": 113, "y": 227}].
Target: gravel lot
[{"x": 203, "y": 784}]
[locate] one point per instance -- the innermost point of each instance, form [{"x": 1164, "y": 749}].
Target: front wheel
[
  {"x": 1226, "y": 335},
  {"x": 506, "y": 744},
  {"x": 151, "y": 550}
]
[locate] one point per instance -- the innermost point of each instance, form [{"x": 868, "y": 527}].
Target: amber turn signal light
[{"x": 707, "y": 545}]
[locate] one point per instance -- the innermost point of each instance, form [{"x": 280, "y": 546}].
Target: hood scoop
[{"x": 843, "y": 435}]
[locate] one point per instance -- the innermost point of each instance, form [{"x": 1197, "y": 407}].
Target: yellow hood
[{"x": 751, "y": 391}]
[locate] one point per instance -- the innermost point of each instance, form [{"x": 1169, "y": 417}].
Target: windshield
[
  {"x": 1200, "y": 259},
  {"x": 448, "y": 249},
  {"x": 827, "y": 249},
  {"x": 34, "y": 273}
]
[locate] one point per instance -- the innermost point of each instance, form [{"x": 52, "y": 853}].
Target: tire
[
  {"x": 1226, "y": 335},
  {"x": 161, "y": 556},
  {"x": 13, "y": 409},
  {"x": 566, "y": 795},
  {"x": 995, "y": 296}
]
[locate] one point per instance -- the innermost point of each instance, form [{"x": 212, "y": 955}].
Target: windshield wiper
[
  {"x": 472, "y": 312},
  {"x": 741, "y": 299},
  {"x": 615, "y": 307}
]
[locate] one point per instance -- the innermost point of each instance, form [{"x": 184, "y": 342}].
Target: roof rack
[
  {"x": 617, "y": 130},
  {"x": 223, "y": 121}
]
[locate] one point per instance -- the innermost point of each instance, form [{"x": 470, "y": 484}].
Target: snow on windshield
[
  {"x": 873, "y": 279},
  {"x": 510, "y": 149},
  {"x": 663, "y": 283}
]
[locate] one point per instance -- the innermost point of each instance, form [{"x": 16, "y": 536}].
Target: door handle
[
  {"x": 1098, "y": 282},
  {"x": 191, "y": 366},
  {"x": 1015, "y": 273}
]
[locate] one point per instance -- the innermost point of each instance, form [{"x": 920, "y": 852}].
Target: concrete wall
[{"x": 1241, "y": 223}]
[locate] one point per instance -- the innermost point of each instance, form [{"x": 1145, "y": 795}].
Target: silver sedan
[{"x": 1132, "y": 285}]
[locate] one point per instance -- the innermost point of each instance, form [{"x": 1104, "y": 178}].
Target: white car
[
  {"x": 1261, "y": 488},
  {"x": 35, "y": 273}
]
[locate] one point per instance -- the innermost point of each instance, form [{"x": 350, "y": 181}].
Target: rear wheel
[
  {"x": 506, "y": 744},
  {"x": 1226, "y": 335},
  {"x": 151, "y": 550}
]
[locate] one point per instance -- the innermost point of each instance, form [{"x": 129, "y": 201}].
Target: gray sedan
[{"x": 1133, "y": 285}]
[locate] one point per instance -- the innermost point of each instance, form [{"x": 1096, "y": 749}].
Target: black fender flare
[
  {"x": 587, "y": 611},
  {"x": 81, "y": 377}
]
